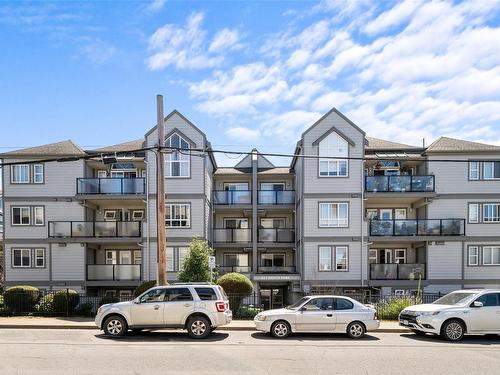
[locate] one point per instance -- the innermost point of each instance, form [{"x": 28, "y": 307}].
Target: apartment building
[{"x": 350, "y": 214}]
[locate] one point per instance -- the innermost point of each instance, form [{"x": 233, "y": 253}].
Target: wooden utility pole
[{"x": 161, "y": 234}]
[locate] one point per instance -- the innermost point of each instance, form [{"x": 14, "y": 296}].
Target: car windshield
[
  {"x": 297, "y": 304},
  {"x": 454, "y": 298}
]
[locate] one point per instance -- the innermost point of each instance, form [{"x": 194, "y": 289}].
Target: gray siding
[{"x": 444, "y": 261}]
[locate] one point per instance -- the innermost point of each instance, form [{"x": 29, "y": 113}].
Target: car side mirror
[
  {"x": 477, "y": 304},
  {"x": 137, "y": 301},
  {"x": 303, "y": 308}
]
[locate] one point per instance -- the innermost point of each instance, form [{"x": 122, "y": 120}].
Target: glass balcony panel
[
  {"x": 377, "y": 183},
  {"x": 405, "y": 227},
  {"x": 429, "y": 227},
  {"x": 422, "y": 183},
  {"x": 82, "y": 229},
  {"x": 399, "y": 183},
  {"x": 383, "y": 271},
  {"x": 381, "y": 227},
  {"x": 411, "y": 271}
]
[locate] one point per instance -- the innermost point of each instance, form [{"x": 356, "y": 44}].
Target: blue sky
[{"x": 248, "y": 73}]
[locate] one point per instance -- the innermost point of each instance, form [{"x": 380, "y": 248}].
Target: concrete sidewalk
[{"x": 30, "y": 322}]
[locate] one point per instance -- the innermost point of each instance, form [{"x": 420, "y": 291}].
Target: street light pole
[{"x": 161, "y": 234}]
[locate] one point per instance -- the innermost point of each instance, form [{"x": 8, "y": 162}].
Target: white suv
[
  {"x": 456, "y": 314},
  {"x": 198, "y": 308}
]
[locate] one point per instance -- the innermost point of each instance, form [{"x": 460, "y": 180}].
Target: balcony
[
  {"x": 117, "y": 186},
  {"x": 233, "y": 197},
  {"x": 276, "y": 197},
  {"x": 113, "y": 272},
  {"x": 94, "y": 229},
  {"x": 276, "y": 235},
  {"x": 277, "y": 269},
  {"x": 418, "y": 227},
  {"x": 397, "y": 271},
  {"x": 229, "y": 235},
  {"x": 400, "y": 184},
  {"x": 239, "y": 269}
]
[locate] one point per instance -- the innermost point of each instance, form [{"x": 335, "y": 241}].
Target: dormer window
[
  {"x": 177, "y": 162},
  {"x": 333, "y": 146}
]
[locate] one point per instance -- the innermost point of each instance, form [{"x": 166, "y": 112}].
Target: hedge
[
  {"x": 66, "y": 300},
  {"x": 22, "y": 298}
]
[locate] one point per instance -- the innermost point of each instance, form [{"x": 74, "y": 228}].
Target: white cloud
[
  {"x": 333, "y": 99},
  {"x": 155, "y": 5},
  {"x": 392, "y": 17},
  {"x": 224, "y": 40},
  {"x": 243, "y": 134}
]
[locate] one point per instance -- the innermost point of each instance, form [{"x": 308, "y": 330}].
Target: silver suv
[{"x": 198, "y": 308}]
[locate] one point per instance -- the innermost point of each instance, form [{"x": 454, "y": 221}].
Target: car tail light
[
  {"x": 375, "y": 316},
  {"x": 221, "y": 306}
]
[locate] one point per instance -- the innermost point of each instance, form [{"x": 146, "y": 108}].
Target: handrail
[
  {"x": 111, "y": 185},
  {"x": 97, "y": 229}
]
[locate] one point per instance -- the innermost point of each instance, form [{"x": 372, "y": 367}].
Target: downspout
[
  {"x": 362, "y": 217},
  {"x": 148, "y": 247}
]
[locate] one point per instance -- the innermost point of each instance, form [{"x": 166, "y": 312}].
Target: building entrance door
[{"x": 272, "y": 298}]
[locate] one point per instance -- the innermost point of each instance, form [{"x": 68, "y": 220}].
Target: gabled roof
[
  {"x": 120, "y": 147},
  {"x": 382, "y": 144},
  {"x": 446, "y": 144},
  {"x": 64, "y": 148},
  {"x": 262, "y": 162}
]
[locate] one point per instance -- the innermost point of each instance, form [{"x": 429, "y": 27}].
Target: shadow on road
[
  {"x": 467, "y": 340},
  {"x": 313, "y": 337},
  {"x": 163, "y": 336}
]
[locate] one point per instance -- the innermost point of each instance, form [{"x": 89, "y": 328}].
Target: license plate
[{"x": 405, "y": 322}]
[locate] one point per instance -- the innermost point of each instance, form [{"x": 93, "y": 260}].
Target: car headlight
[
  {"x": 430, "y": 313},
  {"x": 260, "y": 317}
]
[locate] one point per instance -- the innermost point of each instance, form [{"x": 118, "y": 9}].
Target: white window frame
[
  {"x": 108, "y": 217},
  {"x": 474, "y": 170},
  {"x": 333, "y": 146},
  {"x": 494, "y": 219},
  {"x": 399, "y": 258},
  {"x": 372, "y": 254},
  {"x": 329, "y": 260},
  {"x": 136, "y": 217},
  {"x": 474, "y": 213},
  {"x": 28, "y": 208},
  {"x": 171, "y": 208},
  {"x": 22, "y": 251},
  {"x": 137, "y": 257},
  {"x": 175, "y": 157},
  {"x": 37, "y": 256},
  {"x": 473, "y": 253},
  {"x": 183, "y": 252},
  {"x": 102, "y": 173},
  {"x": 36, "y": 211},
  {"x": 38, "y": 174},
  {"x": 330, "y": 221},
  {"x": 170, "y": 256},
  {"x": 492, "y": 164},
  {"x": 337, "y": 248},
  {"x": 490, "y": 262},
  {"x": 14, "y": 174}
]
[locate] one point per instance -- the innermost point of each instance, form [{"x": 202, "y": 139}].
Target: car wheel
[
  {"x": 198, "y": 327},
  {"x": 453, "y": 330},
  {"x": 356, "y": 330},
  {"x": 418, "y": 333},
  {"x": 115, "y": 326},
  {"x": 280, "y": 329}
]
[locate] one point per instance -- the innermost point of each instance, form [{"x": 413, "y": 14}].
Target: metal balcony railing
[
  {"x": 400, "y": 184},
  {"x": 116, "y": 272},
  {"x": 276, "y": 235},
  {"x": 276, "y": 197},
  {"x": 94, "y": 229},
  {"x": 417, "y": 227},
  {"x": 111, "y": 185},
  {"x": 229, "y": 235},
  {"x": 397, "y": 271},
  {"x": 233, "y": 197},
  {"x": 276, "y": 269},
  {"x": 239, "y": 269}
]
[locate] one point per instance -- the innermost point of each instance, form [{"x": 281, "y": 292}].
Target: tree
[{"x": 195, "y": 267}]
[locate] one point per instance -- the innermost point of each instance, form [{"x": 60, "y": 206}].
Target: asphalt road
[{"x": 75, "y": 352}]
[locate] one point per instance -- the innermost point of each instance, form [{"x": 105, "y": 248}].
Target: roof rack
[{"x": 194, "y": 283}]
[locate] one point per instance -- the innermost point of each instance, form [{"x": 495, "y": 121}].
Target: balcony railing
[
  {"x": 239, "y": 269},
  {"x": 418, "y": 227},
  {"x": 397, "y": 271},
  {"x": 276, "y": 235},
  {"x": 399, "y": 184},
  {"x": 276, "y": 269},
  {"x": 228, "y": 235},
  {"x": 276, "y": 197},
  {"x": 95, "y": 229},
  {"x": 117, "y": 272},
  {"x": 233, "y": 197},
  {"x": 110, "y": 185}
]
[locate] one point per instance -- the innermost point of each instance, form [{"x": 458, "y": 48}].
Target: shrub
[
  {"x": 46, "y": 304},
  {"x": 108, "y": 299},
  {"x": 248, "y": 312},
  {"x": 195, "y": 266},
  {"x": 143, "y": 287},
  {"x": 65, "y": 301},
  {"x": 237, "y": 286},
  {"x": 21, "y": 298},
  {"x": 389, "y": 309},
  {"x": 84, "y": 309}
]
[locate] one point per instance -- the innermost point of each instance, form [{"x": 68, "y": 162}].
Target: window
[
  {"x": 341, "y": 258},
  {"x": 183, "y": 253},
  {"x": 38, "y": 173},
  {"x": 178, "y": 294},
  {"x": 137, "y": 215},
  {"x": 109, "y": 215},
  {"x": 21, "y": 216},
  {"x": 491, "y": 212},
  {"x": 325, "y": 258},
  {"x": 333, "y": 214},
  {"x": 473, "y": 170},
  {"x": 155, "y": 295},
  {"x": 343, "y": 304},
  {"x": 206, "y": 294},
  {"x": 102, "y": 174},
  {"x": 20, "y": 174},
  {"x": 333, "y": 146},
  {"x": 272, "y": 260},
  {"x": 319, "y": 304},
  {"x": 170, "y": 259},
  {"x": 491, "y": 170},
  {"x": 177, "y": 162},
  {"x": 489, "y": 300},
  {"x": 473, "y": 213},
  {"x": 39, "y": 258},
  {"x": 473, "y": 256},
  {"x": 237, "y": 260},
  {"x": 177, "y": 215},
  {"x": 400, "y": 256},
  {"x": 21, "y": 258},
  {"x": 38, "y": 212},
  {"x": 137, "y": 256},
  {"x": 491, "y": 255}
]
